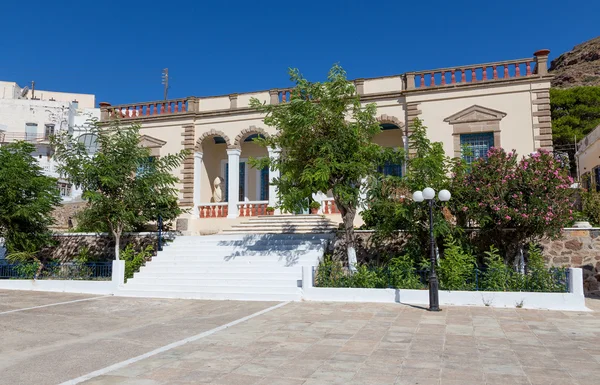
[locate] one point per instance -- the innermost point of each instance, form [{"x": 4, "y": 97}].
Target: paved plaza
[{"x": 55, "y": 338}]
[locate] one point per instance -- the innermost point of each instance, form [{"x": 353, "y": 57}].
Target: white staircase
[
  {"x": 261, "y": 267},
  {"x": 284, "y": 224}
]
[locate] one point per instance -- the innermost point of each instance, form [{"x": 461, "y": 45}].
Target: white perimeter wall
[{"x": 573, "y": 300}]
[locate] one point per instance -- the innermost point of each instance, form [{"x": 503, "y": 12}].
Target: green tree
[
  {"x": 575, "y": 113},
  {"x": 124, "y": 186},
  {"x": 390, "y": 207},
  {"x": 27, "y": 199},
  {"x": 514, "y": 202},
  {"x": 325, "y": 134}
]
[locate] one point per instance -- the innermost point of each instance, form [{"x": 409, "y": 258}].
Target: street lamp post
[{"x": 428, "y": 194}]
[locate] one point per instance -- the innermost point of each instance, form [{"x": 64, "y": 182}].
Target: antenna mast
[{"x": 165, "y": 81}]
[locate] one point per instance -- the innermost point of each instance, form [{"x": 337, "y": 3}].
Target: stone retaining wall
[
  {"x": 577, "y": 248},
  {"x": 66, "y": 210},
  {"x": 101, "y": 246}
]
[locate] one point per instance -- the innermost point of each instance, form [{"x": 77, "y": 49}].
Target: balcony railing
[
  {"x": 128, "y": 111},
  {"x": 442, "y": 77},
  {"x": 479, "y": 73},
  {"x": 9, "y": 137},
  {"x": 253, "y": 208}
]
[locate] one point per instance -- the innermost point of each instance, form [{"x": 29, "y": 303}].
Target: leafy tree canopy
[
  {"x": 124, "y": 186},
  {"x": 326, "y": 134},
  {"x": 27, "y": 199},
  {"x": 575, "y": 113}
]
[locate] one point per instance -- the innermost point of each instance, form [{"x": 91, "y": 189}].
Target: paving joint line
[
  {"x": 54, "y": 304},
  {"x": 168, "y": 347}
]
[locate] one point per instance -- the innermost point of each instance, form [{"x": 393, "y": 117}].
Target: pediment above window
[
  {"x": 475, "y": 113},
  {"x": 150, "y": 142}
]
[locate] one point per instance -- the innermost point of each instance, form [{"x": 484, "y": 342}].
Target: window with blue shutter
[
  {"x": 242, "y": 193},
  {"x": 264, "y": 184},
  {"x": 478, "y": 145},
  {"x": 390, "y": 169}
]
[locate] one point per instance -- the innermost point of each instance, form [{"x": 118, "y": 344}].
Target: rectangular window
[
  {"x": 597, "y": 178},
  {"x": 476, "y": 145},
  {"x": 390, "y": 169},
  {"x": 142, "y": 168},
  {"x": 64, "y": 189},
  {"x": 31, "y": 131},
  {"x": 49, "y": 131},
  {"x": 264, "y": 184}
]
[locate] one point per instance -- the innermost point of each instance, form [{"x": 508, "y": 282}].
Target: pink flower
[
  {"x": 464, "y": 208},
  {"x": 507, "y": 218}
]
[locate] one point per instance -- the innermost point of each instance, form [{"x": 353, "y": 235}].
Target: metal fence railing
[
  {"x": 551, "y": 280},
  {"x": 59, "y": 271}
]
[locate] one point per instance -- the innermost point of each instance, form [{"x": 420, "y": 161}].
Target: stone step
[
  {"x": 285, "y": 224},
  {"x": 210, "y": 282},
  {"x": 278, "y": 231},
  {"x": 199, "y": 288},
  {"x": 240, "y": 266},
  {"x": 240, "y": 296},
  {"x": 235, "y": 257},
  {"x": 235, "y": 275}
]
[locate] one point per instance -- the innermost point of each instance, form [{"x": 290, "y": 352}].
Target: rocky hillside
[{"x": 578, "y": 67}]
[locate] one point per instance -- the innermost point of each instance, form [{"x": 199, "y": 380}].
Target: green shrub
[
  {"x": 26, "y": 270},
  {"x": 538, "y": 277},
  {"x": 135, "y": 260},
  {"x": 497, "y": 276},
  {"x": 590, "y": 201},
  {"x": 403, "y": 274},
  {"x": 457, "y": 268},
  {"x": 330, "y": 273},
  {"x": 366, "y": 278}
]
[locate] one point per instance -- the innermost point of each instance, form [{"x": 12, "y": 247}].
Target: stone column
[
  {"x": 274, "y": 96},
  {"x": 233, "y": 182},
  {"x": 273, "y": 174},
  {"x": 541, "y": 58},
  {"x": 104, "y": 114},
  {"x": 197, "y": 179},
  {"x": 360, "y": 86},
  {"x": 193, "y": 104},
  {"x": 409, "y": 81},
  {"x": 233, "y": 99}
]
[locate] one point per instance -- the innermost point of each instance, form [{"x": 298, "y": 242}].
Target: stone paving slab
[
  {"x": 373, "y": 344},
  {"x": 53, "y": 344},
  {"x": 298, "y": 343},
  {"x": 18, "y": 299}
]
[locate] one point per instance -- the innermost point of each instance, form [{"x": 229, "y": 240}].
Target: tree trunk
[
  {"x": 39, "y": 269},
  {"x": 117, "y": 235},
  {"x": 348, "y": 213}
]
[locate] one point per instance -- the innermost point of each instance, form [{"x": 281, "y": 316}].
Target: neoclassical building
[{"x": 504, "y": 103}]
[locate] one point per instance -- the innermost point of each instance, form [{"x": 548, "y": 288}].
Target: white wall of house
[{"x": 22, "y": 118}]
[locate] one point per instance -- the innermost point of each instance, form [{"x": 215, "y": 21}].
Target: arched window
[{"x": 90, "y": 141}]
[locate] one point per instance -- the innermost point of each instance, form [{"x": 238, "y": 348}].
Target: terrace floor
[{"x": 56, "y": 338}]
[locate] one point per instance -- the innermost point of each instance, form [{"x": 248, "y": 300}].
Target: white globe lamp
[
  {"x": 428, "y": 193},
  {"x": 417, "y": 196},
  {"x": 444, "y": 195}
]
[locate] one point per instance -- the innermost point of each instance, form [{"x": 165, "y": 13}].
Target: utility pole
[{"x": 165, "y": 81}]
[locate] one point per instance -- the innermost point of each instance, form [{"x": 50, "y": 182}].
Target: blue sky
[{"x": 117, "y": 49}]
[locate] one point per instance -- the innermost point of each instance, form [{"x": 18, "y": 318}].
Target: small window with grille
[{"x": 475, "y": 146}]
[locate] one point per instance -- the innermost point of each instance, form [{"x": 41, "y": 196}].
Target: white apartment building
[{"x": 34, "y": 115}]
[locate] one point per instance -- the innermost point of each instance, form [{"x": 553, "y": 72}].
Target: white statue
[{"x": 217, "y": 193}]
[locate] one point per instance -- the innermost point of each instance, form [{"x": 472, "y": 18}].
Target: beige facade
[
  {"x": 588, "y": 159},
  {"x": 507, "y": 102}
]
